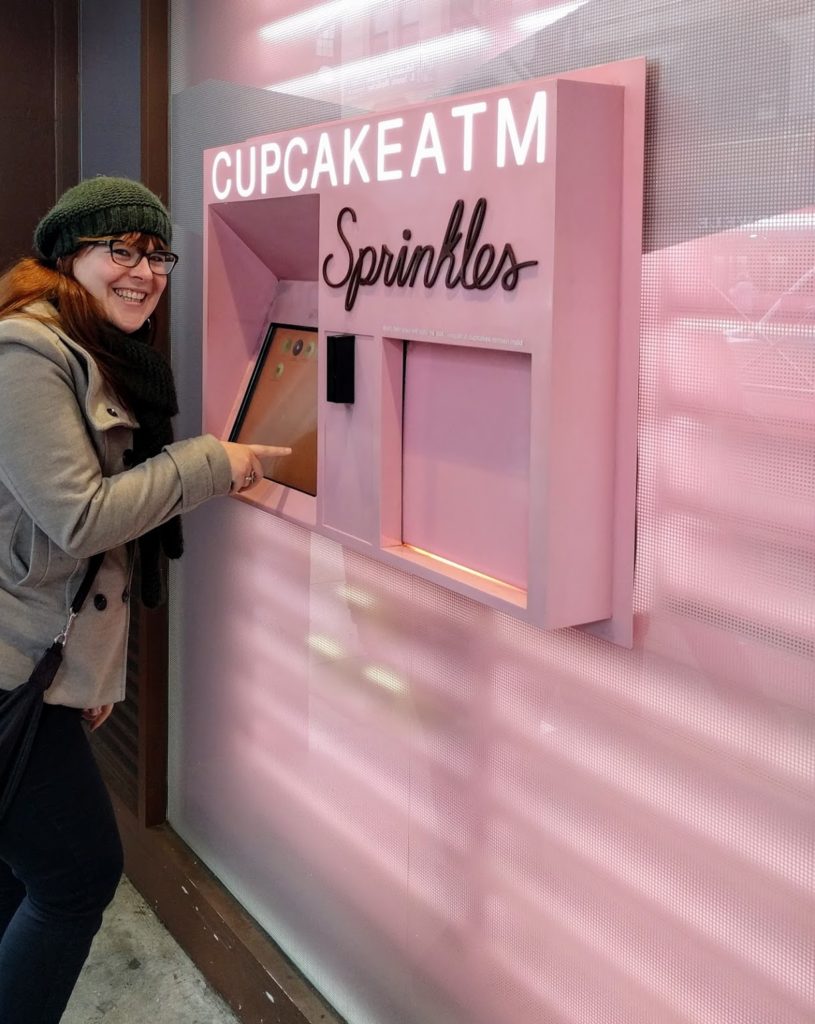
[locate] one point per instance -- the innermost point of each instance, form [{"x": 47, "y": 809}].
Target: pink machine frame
[{"x": 559, "y": 164}]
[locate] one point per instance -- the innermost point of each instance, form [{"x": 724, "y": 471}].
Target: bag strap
[
  {"x": 87, "y": 582},
  {"x": 81, "y": 596}
]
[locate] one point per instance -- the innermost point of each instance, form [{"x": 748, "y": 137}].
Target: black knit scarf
[{"x": 144, "y": 381}]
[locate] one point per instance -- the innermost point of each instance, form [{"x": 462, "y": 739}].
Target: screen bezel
[{"x": 260, "y": 363}]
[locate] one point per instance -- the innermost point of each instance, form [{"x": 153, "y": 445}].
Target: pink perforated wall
[{"x": 446, "y": 816}]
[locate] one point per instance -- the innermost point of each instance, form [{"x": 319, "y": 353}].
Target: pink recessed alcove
[
  {"x": 465, "y": 458},
  {"x": 261, "y": 267}
]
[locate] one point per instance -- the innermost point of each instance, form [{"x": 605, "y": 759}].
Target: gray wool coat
[{"x": 65, "y": 494}]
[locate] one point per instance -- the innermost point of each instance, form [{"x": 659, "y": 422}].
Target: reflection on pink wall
[
  {"x": 363, "y": 53},
  {"x": 446, "y": 816},
  {"x": 729, "y": 379},
  {"x": 514, "y": 826}
]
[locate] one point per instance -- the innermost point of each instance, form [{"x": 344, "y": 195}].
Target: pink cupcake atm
[{"x": 438, "y": 308}]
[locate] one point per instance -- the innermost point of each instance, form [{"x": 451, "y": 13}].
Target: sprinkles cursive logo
[{"x": 467, "y": 263}]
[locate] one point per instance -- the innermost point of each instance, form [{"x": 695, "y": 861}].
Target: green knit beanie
[{"x": 96, "y": 208}]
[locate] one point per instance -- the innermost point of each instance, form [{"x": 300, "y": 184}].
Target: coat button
[
  {"x": 127, "y": 458},
  {"x": 100, "y": 602},
  {"x": 125, "y": 595},
  {"x": 112, "y": 412}
]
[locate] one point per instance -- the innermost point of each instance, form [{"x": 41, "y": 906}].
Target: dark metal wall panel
[
  {"x": 111, "y": 75},
  {"x": 38, "y": 115}
]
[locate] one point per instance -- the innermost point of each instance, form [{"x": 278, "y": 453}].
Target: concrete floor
[{"x": 137, "y": 974}]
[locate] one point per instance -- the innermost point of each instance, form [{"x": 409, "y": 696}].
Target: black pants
[{"x": 60, "y": 863}]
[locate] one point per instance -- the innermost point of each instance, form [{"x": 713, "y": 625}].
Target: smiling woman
[
  {"x": 117, "y": 271},
  {"x": 88, "y": 466},
  {"x": 127, "y": 280}
]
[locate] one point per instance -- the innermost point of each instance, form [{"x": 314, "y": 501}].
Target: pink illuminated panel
[
  {"x": 486, "y": 231},
  {"x": 466, "y": 457}
]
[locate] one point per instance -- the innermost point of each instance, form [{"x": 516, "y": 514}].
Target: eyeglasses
[{"x": 160, "y": 261}]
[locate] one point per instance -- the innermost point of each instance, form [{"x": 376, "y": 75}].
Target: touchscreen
[{"x": 280, "y": 406}]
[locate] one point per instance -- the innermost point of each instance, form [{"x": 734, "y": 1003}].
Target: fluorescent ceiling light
[
  {"x": 308, "y": 22},
  {"x": 384, "y": 677},
  {"x": 394, "y": 62},
  {"x": 799, "y": 221},
  {"x": 355, "y": 595},
  {"x": 325, "y": 645},
  {"x": 540, "y": 19}
]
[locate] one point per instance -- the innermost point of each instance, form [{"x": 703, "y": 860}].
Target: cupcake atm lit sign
[
  {"x": 387, "y": 150},
  {"x": 466, "y": 278}
]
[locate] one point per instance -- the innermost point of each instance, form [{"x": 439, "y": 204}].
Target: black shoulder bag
[{"x": 20, "y": 709}]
